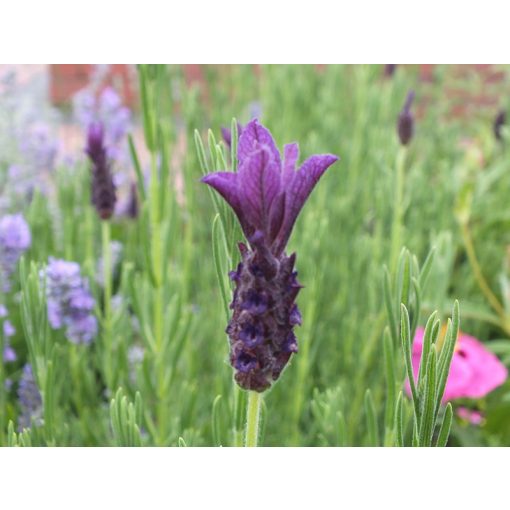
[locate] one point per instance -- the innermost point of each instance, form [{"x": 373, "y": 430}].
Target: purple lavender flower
[
  {"x": 9, "y": 354},
  {"x": 104, "y": 194},
  {"x": 405, "y": 123},
  {"x": 266, "y": 195},
  {"x": 30, "y": 400},
  {"x": 15, "y": 239},
  {"x": 70, "y": 304},
  {"x": 389, "y": 70},
  {"x": 499, "y": 122},
  {"x": 40, "y": 147}
]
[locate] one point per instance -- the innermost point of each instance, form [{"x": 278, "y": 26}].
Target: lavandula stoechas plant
[
  {"x": 405, "y": 132},
  {"x": 104, "y": 198},
  {"x": 266, "y": 195}
]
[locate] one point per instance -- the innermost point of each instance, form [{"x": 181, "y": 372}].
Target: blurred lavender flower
[
  {"x": 267, "y": 195},
  {"x": 129, "y": 208},
  {"x": 9, "y": 354},
  {"x": 39, "y": 146},
  {"x": 104, "y": 194},
  {"x": 107, "y": 109},
  {"x": 135, "y": 358},
  {"x": 499, "y": 122},
  {"x": 29, "y": 399},
  {"x": 389, "y": 70},
  {"x": 15, "y": 239},
  {"x": 405, "y": 123},
  {"x": 70, "y": 304}
]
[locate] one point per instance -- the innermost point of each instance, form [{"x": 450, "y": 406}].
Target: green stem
[
  {"x": 107, "y": 313},
  {"x": 396, "y": 228},
  {"x": 253, "y": 418},
  {"x": 480, "y": 278}
]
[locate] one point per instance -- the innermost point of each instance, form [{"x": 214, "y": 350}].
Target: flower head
[
  {"x": 474, "y": 371},
  {"x": 103, "y": 189},
  {"x": 266, "y": 195},
  {"x": 15, "y": 239},
  {"x": 405, "y": 123},
  {"x": 70, "y": 304}
]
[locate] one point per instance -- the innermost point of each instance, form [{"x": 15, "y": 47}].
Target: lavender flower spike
[
  {"x": 405, "y": 123},
  {"x": 267, "y": 195},
  {"x": 15, "y": 239},
  {"x": 70, "y": 304},
  {"x": 103, "y": 189}
]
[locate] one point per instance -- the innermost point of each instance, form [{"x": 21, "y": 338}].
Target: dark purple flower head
[
  {"x": 103, "y": 189},
  {"x": 389, "y": 70},
  {"x": 266, "y": 195},
  {"x": 405, "y": 123},
  {"x": 499, "y": 122}
]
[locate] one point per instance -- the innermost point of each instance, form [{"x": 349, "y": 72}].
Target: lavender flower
[
  {"x": 389, "y": 70},
  {"x": 70, "y": 304},
  {"x": 405, "y": 123},
  {"x": 15, "y": 239},
  {"x": 29, "y": 399},
  {"x": 103, "y": 189},
  {"x": 267, "y": 195},
  {"x": 107, "y": 109},
  {"x": 499, "y": 122},
  {"x": 9, "y": 354}
]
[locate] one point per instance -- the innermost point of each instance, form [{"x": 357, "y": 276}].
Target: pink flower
[
  {"x": 474, "y": 371},
  {"x": 470, "y": 415}
]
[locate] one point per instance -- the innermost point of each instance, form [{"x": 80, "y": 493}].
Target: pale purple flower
[
  {"x": 39, "y": 147},
  {"x": 107, "y": 109},
  {"x": 15, "y": 239},
  {"x": 30, "y": 400},
  {"x": 266, "y": 195},
  {"x": 70, "y": 303}
]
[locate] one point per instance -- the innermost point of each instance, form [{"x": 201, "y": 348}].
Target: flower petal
[
  {"x": 290, "y": 157},
  {"x": 297, "y": 192},
  {"x": 259, "y": 185},
  {"x": 225, "y": 183},
  {"x": 253, "y": 137}
]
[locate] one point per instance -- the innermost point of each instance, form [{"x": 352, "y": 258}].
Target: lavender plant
[
  {"x": 145, "y": 323},
  {"x": 266, "y": 195}
]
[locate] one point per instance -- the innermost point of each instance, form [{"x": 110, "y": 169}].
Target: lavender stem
[{"x": 253, "y": 418}]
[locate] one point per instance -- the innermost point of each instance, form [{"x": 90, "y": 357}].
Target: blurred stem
[
  {"x": 107, "y": 283},
  {"x": 479, "y": 277},
  {"x": 253, "y": 418},
  {"x": 158, "y": 304},
  {"x": 396, "y": 228}
]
